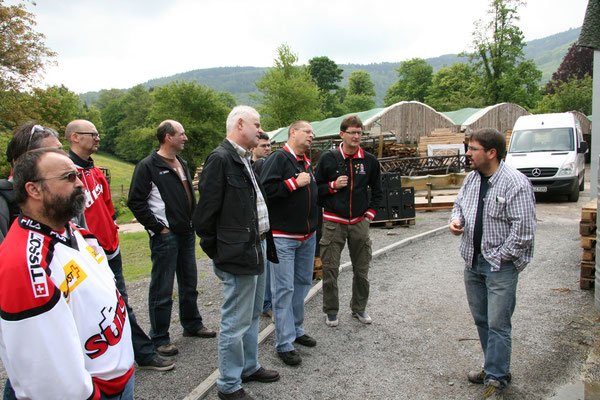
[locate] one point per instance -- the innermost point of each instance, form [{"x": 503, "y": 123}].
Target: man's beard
[{"x": 60, "y": 209}]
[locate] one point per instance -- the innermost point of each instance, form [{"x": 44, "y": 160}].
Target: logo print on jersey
[
  {"x": 74, "y": 275},
  {"x": 37, "y": 275},
  {"x": 110, "y": 331},
  {"x": 95, "y": 254}
]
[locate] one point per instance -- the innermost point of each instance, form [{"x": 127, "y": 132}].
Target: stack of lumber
[
  {"x": 587, "y": 229},
  {"x": 508, "y": 133},
  {"x": 399, "y": 150},
  {"x": 439, "y": 136}
]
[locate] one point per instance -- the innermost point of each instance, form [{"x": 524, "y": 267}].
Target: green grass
[
  {"x": 120, "y": 178},
  {"x": 135, "y": 251}
]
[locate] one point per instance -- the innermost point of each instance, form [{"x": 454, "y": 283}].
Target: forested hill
[{"x": 547, "y": 54}]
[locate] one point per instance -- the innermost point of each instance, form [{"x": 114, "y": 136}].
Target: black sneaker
[
  {"x": 158, "y": 364},
  {"x": 290, "y": 357},
  {"x": 306, "y": 340}
]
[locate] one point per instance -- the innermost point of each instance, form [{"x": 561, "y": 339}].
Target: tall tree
[
  {"x": 56, "y": 106},
  {"x": 326, "y": 74},
  {"x": 201, "y": 112},
  {"x": 498, "y": 57},
  {"x": 132, "y": 142},
  {"x": 23, "y": 56},
  {"x": 573, "y": 95},
  {"x": 455, "y": 87},
  {"x": 288, "y": 92},
  {"x": 415, "y": 79},
  {"x": 578, "y": 61},
  {"x": 361, "y": 91}
]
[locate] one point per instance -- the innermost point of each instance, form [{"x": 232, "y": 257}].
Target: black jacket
[
  {"x": 156, "y": 194},
  {"x": 292, "y": 209},
  {"x": 226, "y": 219},
  {"x": 353, "y": 200}
]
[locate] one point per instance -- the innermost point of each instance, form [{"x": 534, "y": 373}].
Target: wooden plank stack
[
  {"x": 587, "y": 229},
  {"x": 439, "y": 136}
]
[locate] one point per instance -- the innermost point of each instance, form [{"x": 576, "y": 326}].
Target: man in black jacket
[
  {"x": 162, "y": 199},
  {"x": 292, "y": 197},
  {"x": 343, "y": 176},
  {"x": 232, "y": 222}
]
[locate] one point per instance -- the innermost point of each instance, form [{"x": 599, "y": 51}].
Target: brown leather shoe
[
  {"x": 203, "y": 332},
  {"x": 237, "y": 395},
  {"x": 262, "y": 375}
]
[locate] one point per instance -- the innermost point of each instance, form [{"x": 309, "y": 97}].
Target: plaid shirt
[
  {"x": 261, "y": 205},
  {"x": 508, "y": 217}
]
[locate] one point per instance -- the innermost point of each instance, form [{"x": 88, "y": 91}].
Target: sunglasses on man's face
[{"x": 68, "y": 176}]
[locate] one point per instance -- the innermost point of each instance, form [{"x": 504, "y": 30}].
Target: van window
[{"x": 553, "y": 139}]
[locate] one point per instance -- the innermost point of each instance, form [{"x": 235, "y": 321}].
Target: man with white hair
[{"x": 232, "y": 222}]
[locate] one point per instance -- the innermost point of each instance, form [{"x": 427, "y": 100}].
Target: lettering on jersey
[
  {"x": 31, "y": 224},
  {"x": 92, "y": 195},
  {"x": 74, "y": 275},
  {"x": 95, "y": 254},
  {"x": 111, "y": 331},
  {"x": 39, "y": 284},
  {"x": 359, "y": 169}
]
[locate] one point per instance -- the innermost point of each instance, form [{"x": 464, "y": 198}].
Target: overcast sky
[{"x": 105, "y": 44}]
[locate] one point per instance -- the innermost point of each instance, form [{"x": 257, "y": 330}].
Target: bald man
[
  {"x": 99, "y": 217},
  {"x": 161, "y": 198}
]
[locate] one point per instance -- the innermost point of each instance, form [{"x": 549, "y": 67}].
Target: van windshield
[{"x": 534, "y": 140}]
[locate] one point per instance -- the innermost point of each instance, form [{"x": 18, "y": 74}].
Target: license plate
[{"x": 540, "y": 189}]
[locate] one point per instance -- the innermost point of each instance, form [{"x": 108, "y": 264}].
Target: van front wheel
[{"x": 574, "y": 195}]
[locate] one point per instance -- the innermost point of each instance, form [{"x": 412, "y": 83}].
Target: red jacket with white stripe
[
  {"x": 352, "y": 203},
  {"x": 64, "y": 329},
  {"x": 99, "y": 211},
  {"x": 292, "y": 210}
]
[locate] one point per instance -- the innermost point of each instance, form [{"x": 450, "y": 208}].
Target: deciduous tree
[
  {"x": 415, "y": 79},
  {"x": 454, "y": 87},
  {"x": 288, "y": 92}
]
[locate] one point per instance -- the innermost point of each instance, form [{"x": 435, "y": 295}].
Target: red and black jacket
[
  {"x": 292, "y": 210},
  {"x": 352, "y": 203}
]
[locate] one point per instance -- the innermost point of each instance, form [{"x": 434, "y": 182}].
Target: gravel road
[{"x": 422, "y": 340}]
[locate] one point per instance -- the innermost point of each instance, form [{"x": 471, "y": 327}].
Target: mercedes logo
[{"x": 536, "y": 172}]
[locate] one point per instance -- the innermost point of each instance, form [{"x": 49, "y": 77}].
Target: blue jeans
[
  {"x": 492, "y": 297},
  {"x": 267, "y": 305},
  {"x": 290, "y": 282},
  {"x": 172, "y": 254},
  {"x": 238, "y": 336}
]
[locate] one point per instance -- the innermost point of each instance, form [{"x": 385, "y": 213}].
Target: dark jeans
[
  {"x": 173, "y": 254},
  {"x": 143, "y": 349}
]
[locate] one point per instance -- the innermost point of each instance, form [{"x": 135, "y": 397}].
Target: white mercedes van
[{"x": 549, "y": 149}]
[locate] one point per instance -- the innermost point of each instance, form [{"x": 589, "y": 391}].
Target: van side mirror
[{"x": 583, "y": 147}]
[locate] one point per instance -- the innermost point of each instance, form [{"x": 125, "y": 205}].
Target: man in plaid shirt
[{"x": 495, "y": 213}]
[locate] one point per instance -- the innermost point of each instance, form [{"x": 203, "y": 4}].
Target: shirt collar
[
  {"x": 359, "y": 153},
  {"x": 247, "y": 154},
  {"x": 299, "y": 158}
]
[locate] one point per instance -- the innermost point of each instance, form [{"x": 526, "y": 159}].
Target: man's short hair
[
  {"x": 243, "y": 112},
  {"x": 164, "y": 129},
  {"x": 351, "y": 121},
  {"x": 295, "y": 125},
  {"x": 26, "y": 170},
  {"x": 29, "y": 136},
  {"x": 264, "y": 136},
  {"x": 490, "y": 138}
]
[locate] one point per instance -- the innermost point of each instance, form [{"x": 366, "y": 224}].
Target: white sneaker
[
  {"x": 362, "y": 317},
  {"x": 331, "y": 320}
]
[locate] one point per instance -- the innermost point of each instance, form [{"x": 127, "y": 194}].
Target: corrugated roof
[
  {"x": 327, "y": 127},
  {"x": 460, "y": 116}
]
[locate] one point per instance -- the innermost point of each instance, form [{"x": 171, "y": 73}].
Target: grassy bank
[{"x": 135, "y": 250}]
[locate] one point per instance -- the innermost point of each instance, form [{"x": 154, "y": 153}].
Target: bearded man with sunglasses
[
  {"x": 64, "y": 332},
  {"x": 99, "y": 217}
]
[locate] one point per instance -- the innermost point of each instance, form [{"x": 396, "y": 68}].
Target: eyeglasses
[
  {"x": 477, "y": 148},
  {"x": 95, "y": 135},
  {"x": 34, "y": 129},
  {"x": 69, "y": 176},
  {"x": 354, "y": 132}
]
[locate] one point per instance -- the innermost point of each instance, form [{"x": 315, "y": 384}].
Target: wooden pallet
[{"x": 587, "y": 230}]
